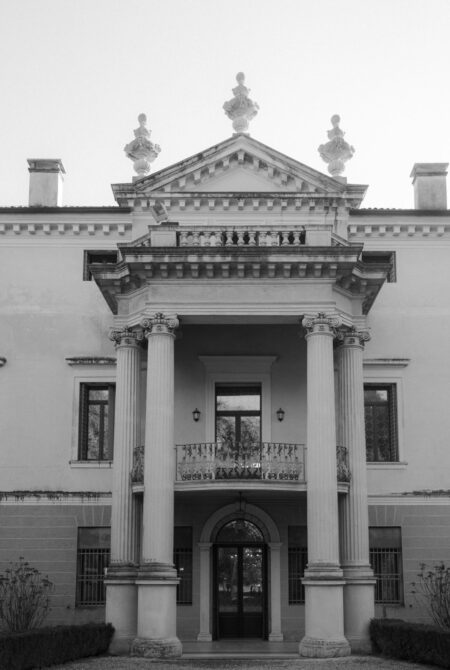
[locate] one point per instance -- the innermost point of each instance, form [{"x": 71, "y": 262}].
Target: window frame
[
  {"x": 391, "y": 580},
  {"x": 101, "y": 556},
  {"x": 392, "y": 407},
  {"x": 78, "y": 380}
]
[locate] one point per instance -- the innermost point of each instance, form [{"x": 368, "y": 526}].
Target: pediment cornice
[{"x": 241, "y": 168}]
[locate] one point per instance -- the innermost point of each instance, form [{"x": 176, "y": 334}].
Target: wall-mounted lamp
[
  {"x": 280, "y": 414},
  {"x": 196, "y": 414}
]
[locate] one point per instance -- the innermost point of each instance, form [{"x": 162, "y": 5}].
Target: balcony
[{"x": 212, "y": 463}]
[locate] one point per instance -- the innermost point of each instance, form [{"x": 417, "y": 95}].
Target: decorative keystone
[
  {"x": 337, "y": 151},
  {"x": 141, "y": 150},
  {"x": 240, "y": 109}
]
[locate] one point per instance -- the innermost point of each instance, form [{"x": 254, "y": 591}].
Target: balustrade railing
[
  {"x": 264, "y": 460},
  {"x": 269, "y": 461},
  {"x": 242, "y": 237}
]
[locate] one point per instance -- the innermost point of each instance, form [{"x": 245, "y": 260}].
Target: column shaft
[
  {"x": 121, "y": 591},
  {"x": 358, "y": 592},
  {"x": 324, "y": 620}
]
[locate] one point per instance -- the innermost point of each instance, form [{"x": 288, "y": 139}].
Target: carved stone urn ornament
[
  {"x": 337, "y": 151},
  {"x": 240, "y": 109},
  {"x": 142, "y": 150}
]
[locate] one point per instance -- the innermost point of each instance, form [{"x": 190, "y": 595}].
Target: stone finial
[
  {"x": 240, "y": 109},
  {"x": 142, "y": 150},
  {"x": 337, "y": 151}
]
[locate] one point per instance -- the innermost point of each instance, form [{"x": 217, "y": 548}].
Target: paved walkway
[{"x": 351, "y": 663}]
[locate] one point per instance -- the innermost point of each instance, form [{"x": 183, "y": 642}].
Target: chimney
[
  {"x": 430, "y": 187},
  {"x": 46, "y": 182}
]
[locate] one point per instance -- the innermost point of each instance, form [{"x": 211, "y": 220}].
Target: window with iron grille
[
  {"x": 92, "y": 560},
  {"x": 182, "y": 558},
  {"x": 380, "y": 410},
  {"x": 386, "y": 561},
  {"x": 297, "y": 562},
  {"x": 96, "y": 423}
]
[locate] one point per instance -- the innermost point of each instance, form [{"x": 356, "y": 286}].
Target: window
[
  {"x": 96, "y": 427},
  {"x": 380, "y": 408},
  {"x": 386, "y": 561},
  {"x": 182, "y": 558},
  {"x": 97, "y": 256},
  {"x": 297, "y": 562},
  {"x": 92, "y": 560},
  {"x": 238, "y": 415}
]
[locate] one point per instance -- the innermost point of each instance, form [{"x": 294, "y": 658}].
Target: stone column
[
  {"x": 157, "y": 578},
  {"x": 324, "y": 620},
  {"x": 121, "y": 591},
  {"x": 359, "y": 588},
  {"x": 275, "y": 634},
  {"x": 205, "y": 595}
]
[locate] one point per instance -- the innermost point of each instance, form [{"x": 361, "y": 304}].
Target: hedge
[
  {"x": 411, "y": 641},
  {"x": 42, "y": 647}
]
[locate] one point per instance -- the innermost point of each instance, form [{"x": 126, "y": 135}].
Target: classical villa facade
[{"x": 231, "y": 392}]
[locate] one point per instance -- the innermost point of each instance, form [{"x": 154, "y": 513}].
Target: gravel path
[{"x": 353, "y": 663}]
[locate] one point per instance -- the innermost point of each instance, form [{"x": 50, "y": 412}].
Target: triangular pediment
[{"x": 240, "y": 163}]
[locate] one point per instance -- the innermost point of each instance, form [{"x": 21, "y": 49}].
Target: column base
[
  {"x": 121, "y": 607},
  {"x": 359, "y": 607},
  {"x": 204, "y": 637},
  {"x": 276, "y": 637},
  {"x": 169, "y": 647},
  {"x": 316, "y": 648},
  {"x": 324, "y": 614}
]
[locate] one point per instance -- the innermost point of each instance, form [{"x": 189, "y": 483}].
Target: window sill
[
  {"x": 387, "y": 465},
  {"x": 91, "y": 464}
]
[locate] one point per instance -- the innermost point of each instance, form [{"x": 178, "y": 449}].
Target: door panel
[{"x": 240, "y": 591}]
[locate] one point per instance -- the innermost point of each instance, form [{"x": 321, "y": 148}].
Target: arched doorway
[{"x": 240, "y": 581}]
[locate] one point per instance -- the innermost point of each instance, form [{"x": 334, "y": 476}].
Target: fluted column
[
  {"x": 359, "y": 588},
  {"x": 157, "y": 580},
  {"x": 121, "y": 591},
  {"x": 324, "y": 620}
]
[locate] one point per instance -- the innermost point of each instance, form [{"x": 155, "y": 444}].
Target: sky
[{"x": 75, "y": 74}]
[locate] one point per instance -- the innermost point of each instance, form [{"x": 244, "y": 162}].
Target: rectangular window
[
  {"x": 386, "y": 561},
  {"x": 97, "y": 256},
  {"x": 96, "y": 422},
  {"x": 182, "y": 558},
  {"x": 297, "y": 562},
  {"x": 380, "y": 409},
  {"x": 238, "y": 415},
  {"x": 92, "y": 560}
]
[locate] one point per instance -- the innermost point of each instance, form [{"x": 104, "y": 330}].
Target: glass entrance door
[{"x": 240, "y": 583}]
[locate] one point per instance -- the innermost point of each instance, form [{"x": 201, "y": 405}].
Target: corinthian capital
[
  {"x": 126, "y": 336},
  {"x": 352, "y": 336},
  {"x": 321, "y": 323},
  {"x": 160, "y": 323}
]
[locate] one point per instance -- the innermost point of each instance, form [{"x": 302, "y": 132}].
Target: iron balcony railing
[{"x": 268, "y": 461}]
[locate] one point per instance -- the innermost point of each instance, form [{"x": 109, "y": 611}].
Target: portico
[{"x": 237, "y": 314}]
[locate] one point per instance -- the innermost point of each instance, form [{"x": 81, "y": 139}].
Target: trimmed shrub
[
  {"x": 410, "y": 641},
  {"x": 42, "y": 647}
]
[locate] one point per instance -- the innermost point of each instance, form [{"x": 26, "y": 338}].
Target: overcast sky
[{"x": 75, "y": 74}]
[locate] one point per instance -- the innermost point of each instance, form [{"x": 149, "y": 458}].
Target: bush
[
  {"x": 410, "y": 641},
  {"x": 42, "y": 647},
  {"x": 24, "y": 597},
  {"x": 434, "y": 587}
]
